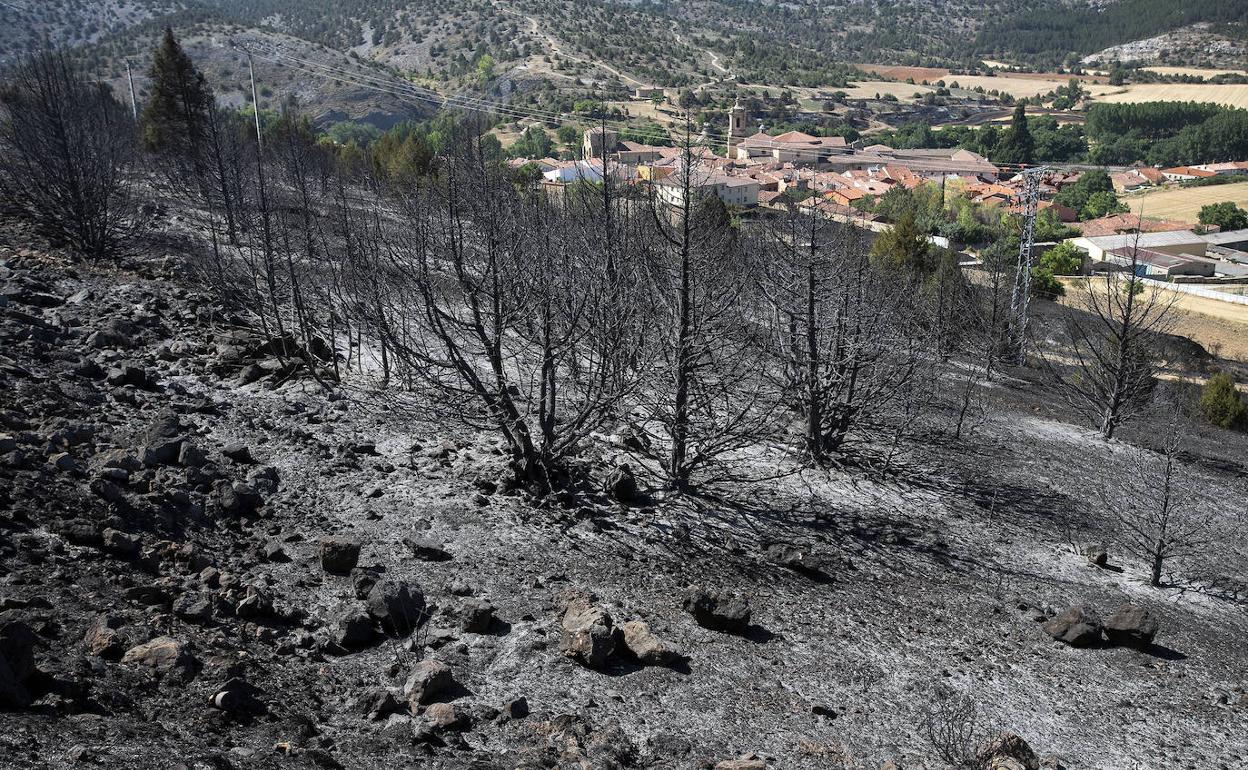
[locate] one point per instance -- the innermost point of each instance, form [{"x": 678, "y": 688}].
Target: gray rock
[
  {"x": 1096, "y": 555},
  {"x": 102, "y": 637},
  {"x": 398, "y": 605},
  {"x": 476, "y": 616},
  {"x": 426, "y": 550},
  {"x": 621, "y": 485},
  {"x": 430, "y": 679},
  {"x": 339, "y": 555},
  {"x": 588, "y": 633},
  {"x": 1007, "y": 751},
  {"x": 353, "y": 629},
  {"x": 1077, "y": 627},
  {"x": 645, "y": 646},
  {"x": 717, "y": 611},
  {"x": 1131, "y": 626},
  {"x": 164, "y": 653}
]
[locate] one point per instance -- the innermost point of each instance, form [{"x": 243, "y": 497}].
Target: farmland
[
  {"x": 1199, "y": 72},
  {"x": 1183, "y": 203},
  {"x": 1231, "y": 95}
]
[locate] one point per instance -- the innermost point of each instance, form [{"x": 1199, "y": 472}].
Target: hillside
[{"x": 932, "y": 579}]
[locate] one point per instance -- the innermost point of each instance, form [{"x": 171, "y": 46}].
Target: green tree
[
  {"x": 1220, "y": 402},
  {"x": 903, "y": 247},
  {"x": 1224, "y": 215},
  {"x": 175, "y": 116},
  {"x": 1102, "y": 203},
  {"x": 1063, "y": 259},
  {"x": 1016, "y": 145},
  {"x": 485, "y": 68}
]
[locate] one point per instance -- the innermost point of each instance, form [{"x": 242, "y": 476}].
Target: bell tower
[{"x": 736, "y": 128}]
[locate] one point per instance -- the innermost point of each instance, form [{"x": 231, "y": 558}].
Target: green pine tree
[
  {"x": 1016, "y": 144},
  {"x": 175, "y": 117}
]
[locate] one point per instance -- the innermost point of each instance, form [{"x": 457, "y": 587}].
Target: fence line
[{"x": 1198, "y": 291}]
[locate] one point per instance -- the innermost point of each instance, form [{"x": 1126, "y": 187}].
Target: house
[
  {"x": 1237, "y": 168},
  {"x": 635, "y": 153},
  {"x": 1174, "y": 243},
  {"x": 648, "y": 92},
  {"x": 1129, "y": 181},
  {"x": 1157, "y": 264},
  {"x": 791, "y": 147},
  {"x": 844, "y": 196},
  {"x": 1234, "y": 240},
  {"x": 733, "y": 190},
  {"x": 575, "y": 171},
  {"x": 1128, "y": 223},
  {"x": 1183, "y": 173}
]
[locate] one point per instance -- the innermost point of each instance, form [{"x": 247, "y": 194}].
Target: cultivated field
[
  {"x": 1230, "y": 95},
  {"x": 1194, "y": 71},
  {"x": 1183, "y": 203}
]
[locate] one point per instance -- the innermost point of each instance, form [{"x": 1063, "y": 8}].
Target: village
[{"x": 759, "y": 174}]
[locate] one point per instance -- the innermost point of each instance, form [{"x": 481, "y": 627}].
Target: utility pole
[
  {"x": 255, "y": 104},
  {"x": 134, "y": 102},
  {"x": 1021, "y": 297}
]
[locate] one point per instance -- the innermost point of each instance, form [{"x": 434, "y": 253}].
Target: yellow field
[
  {"x": 867, "y": 89},
  {"x": 1183, "y": 203},
  {"x": 1229, "y": 95},
  {"x": 1017, "y": 87},
  {"x": 1195, "y": 71}
]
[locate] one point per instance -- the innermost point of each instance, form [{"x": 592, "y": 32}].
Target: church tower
[{"x": 736, "y": 128}]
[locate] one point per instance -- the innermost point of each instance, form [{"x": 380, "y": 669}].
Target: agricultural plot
[
  {"x": 1183, "y": 203},
  {"x": 1230, "y": 95}
]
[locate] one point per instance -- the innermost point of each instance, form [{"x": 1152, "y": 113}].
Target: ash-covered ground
[{"x": 180, "y": 584}]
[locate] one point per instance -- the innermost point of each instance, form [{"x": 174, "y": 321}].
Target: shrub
[{"x": 1220, "y": 402}]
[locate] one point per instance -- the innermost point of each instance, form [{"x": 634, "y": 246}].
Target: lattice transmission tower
[{"x": 1021, "y": 297}]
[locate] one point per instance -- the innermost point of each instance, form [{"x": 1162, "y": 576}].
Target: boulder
[
  {"x": 476, "y": 616},
  {"x": 1077, "y": 627},
  {"x": 588, "y": 633},
  {"x": 193, "y": 608},
  {"x": 122, "y": 544},
  {"x": 102, "y": 637},
  {"x": 426, "y": 550},
  {"x": 1096, "y": 555},
  {"x": 339, "y": 555},
  {"x": 164, "y": 653},
  {"x": 621, "y": 484},
  {"x": 238, "y": 697},
  {"x": 236, "y": 499},
  {"x": 239, "y": 453},
  {"x": 353, "y": 628},
  {"x": 645, "y": 646},
  {"x": 446, "y": 717},
  {"x": 1007, "y": 751},
  {"x": 718, "y": 611},
  {"x": 1131, "y": 626},
  {"x": 430, "y": 679},
  {"x": 399, "y": 606}
]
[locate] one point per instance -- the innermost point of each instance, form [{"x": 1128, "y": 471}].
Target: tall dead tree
[
  {"x": 489, "y": 298},
  {"x": 709, "y": 394},
  {"x": 67, "y": 155},
  {"x": 1113, "y": 330},
  {"x": 1156, "y": 499},
  {"x": 844, "y": 337}
]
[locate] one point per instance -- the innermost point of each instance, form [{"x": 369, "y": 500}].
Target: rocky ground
[{"x": 209, "y": 561}]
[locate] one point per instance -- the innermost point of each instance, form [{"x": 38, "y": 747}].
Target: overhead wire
[{"x": 405, "y": 90}]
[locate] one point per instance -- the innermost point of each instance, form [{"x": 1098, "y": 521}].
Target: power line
[{"x": 406, "y": 91}]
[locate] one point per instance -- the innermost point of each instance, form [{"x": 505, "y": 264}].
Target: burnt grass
[{"x": 930, "y": 579}]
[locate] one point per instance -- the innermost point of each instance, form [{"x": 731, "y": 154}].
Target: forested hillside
[{"x": 1046, "y": 32}]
